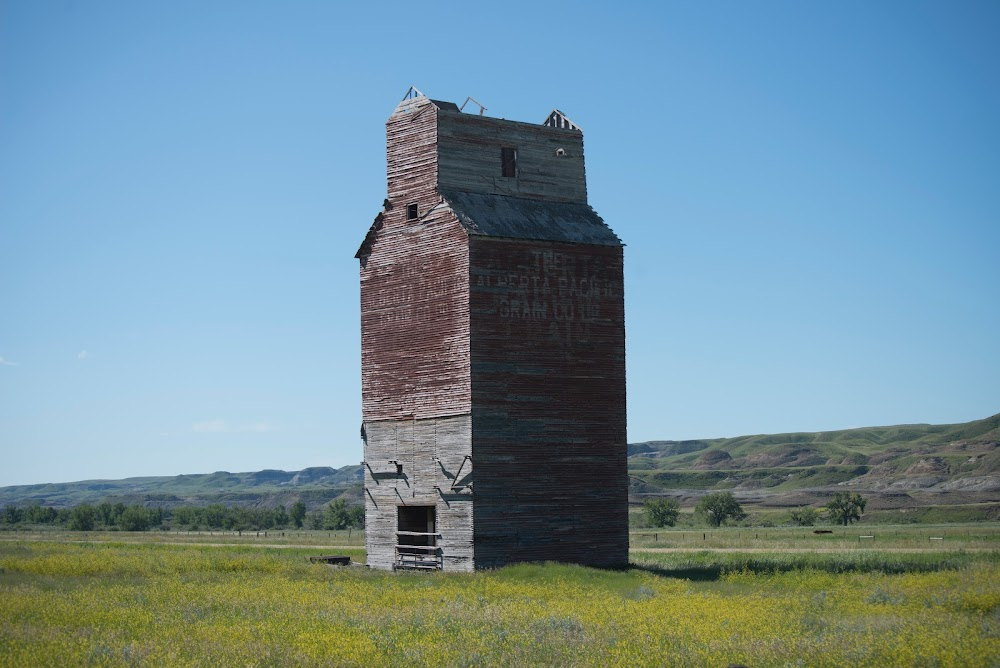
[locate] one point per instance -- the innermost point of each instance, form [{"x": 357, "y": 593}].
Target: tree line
[
  {"x": 336, "y": 515},
  {"x": 717, "y": 508}
]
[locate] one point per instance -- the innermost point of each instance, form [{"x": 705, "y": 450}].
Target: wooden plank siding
[
  {"x": 431, "y": 453},
  {"x": 415, "y": 321},
  {"x": 414, "y": 288},
  {"x": 469, "y": 158},
  {"x": 416, "y": 390},
  {"x": 411, "y": 156},
  {"x": 492, "y": 335},
  {"x": 548, "y": 392}
]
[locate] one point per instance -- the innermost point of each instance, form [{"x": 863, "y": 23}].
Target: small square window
[
  {"x": 411, "y": 211},
  {"x": 508, "y": 161}
]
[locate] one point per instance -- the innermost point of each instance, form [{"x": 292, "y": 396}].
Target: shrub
[{"x": 805, "y": 516}]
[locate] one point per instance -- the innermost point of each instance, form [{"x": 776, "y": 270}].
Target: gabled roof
[
  {"x": 521, "y": 218},
  {"x": 558, "y": 119}
]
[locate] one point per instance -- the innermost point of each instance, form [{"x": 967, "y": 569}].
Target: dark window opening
[
  {"x": 411, "y": 211},
  {"x": 416, "y": 526},
  {"x": 508, "y": 161}
]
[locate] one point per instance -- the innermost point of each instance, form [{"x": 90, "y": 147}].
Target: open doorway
[{"x": 416, "y": 538}]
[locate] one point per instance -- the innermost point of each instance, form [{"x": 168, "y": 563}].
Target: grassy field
[
  {"x": 947, "y": 537},
  {"x": 950, "y": 537},
  {"x": 173, "y": 599},
  {"x": 279, "y": 538}
]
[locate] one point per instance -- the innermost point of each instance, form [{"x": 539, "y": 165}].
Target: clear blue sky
[{"x": 810, "y": 194}]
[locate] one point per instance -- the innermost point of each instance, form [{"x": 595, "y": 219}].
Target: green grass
[
  {"x": 149, "y": 603},
  {"x": 977, "y": 536},
  {"x": 710, "y": 565},
  {"x": 270, "y": 538}
]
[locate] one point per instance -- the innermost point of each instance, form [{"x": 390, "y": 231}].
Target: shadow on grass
[
  {"x": 693, "y": 573},
  {"x": 712, "y": 567}
]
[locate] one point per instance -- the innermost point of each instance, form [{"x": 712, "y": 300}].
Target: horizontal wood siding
[
  {"x": 411, "y": 156},
  {"x": 414, "y": 291},
  {"x": 494, "y": 348},
  {"x": 548, "y": 384},
  {"x": 444, "y": 483},
  {"x": 470, "y": 160}
]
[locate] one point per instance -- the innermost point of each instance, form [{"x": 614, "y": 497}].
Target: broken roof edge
[
  {"x": 365, "y": 249},
  {"x": 414, "y": 97}
]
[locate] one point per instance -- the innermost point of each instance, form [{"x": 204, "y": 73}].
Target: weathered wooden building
[{"x": 493, "y": 349}]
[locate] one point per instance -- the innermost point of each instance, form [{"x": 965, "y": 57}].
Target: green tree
[
  {"x": 234, "y": 520},
  {"x": 339, "y": 516},
  {"x": 845, "y": 507},
  {"x": 116, "y": 513},
  {"x": 105, "y": 513},
  {"x": 136, "y": 518},
  {"x": 37, "y": 514},
  {"x": 661, "y": 512},
  {"x": 718, "y": 507},
  {"x": 336, "y": 515},
  {"x": 298, "y": 514},
  {"x": 280, "y": 516},
  {"x": 12, "y": 514},
  {"x": 214, "y": 515},
  {"x": 83, "y": 518},
  {"x": 185, "y": 516},
  {"x": 356, "y": 517},
  {"x": 804, "y": 516}
]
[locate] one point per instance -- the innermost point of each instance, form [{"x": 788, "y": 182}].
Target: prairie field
[{"x": 130, "y": 599}]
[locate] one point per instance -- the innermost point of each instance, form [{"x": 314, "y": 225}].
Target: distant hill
[
  {"x": 314, "y": 486},
  {"x": 903, "y": 468},
  {"x": 911, "y": 470}
]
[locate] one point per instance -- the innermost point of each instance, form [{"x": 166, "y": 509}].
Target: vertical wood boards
[{"x": 431, "y": 453}]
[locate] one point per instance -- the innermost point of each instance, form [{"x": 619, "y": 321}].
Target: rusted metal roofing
[{"x": 521, "y": 218}]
